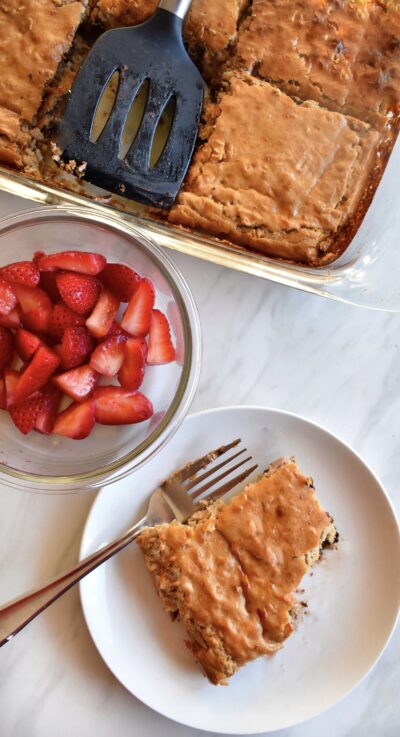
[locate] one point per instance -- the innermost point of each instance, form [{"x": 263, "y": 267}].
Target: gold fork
[{"x": 173, "y": 499}]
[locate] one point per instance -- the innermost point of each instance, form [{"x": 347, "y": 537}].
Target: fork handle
[
  {"x": 15, "y": 615},
  {"x": 177, "y": 7}
]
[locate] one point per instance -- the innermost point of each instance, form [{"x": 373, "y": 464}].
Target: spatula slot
[
  {"x": 105, "y": 106},
  {"x": 134, "y": 118},
  {"x": 163, "y": 131}
]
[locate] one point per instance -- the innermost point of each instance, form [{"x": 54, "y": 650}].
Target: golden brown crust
[
  {"x": 231, "y": 573},
  {"x": 273, "y": 175}
]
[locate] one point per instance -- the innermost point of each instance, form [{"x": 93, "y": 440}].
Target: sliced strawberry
[
  {"x": 116, "y": 329},
  {"x": 22, "y": 272},
  {"x": 161, "y": 349},
  {"x": 48, "y": 413},
  {"x": 101, "y": 319},
  {"x": 61, "y": 319},
  {"x": 76, "y": 347},
  {"x": 8, "y": 298},
  {"x": 108, "y": 357},
  {"x": 37, "y": 256},
  {"x": 12, "y": 320},
  {"x": 136, "y": 319},
  {"x": 132, "y": 370},
  {"x": 78, "y": 382},
  {"x": 78, "y": 291},
  {"x": 81, "y": 261},
  {"x": 37, "y": 373},
  {"x": 115, "y": 406},
  {"x": 26, "y": 343},
  {"x": 3, "y": 401},
  {"x": 120, "y": 280},
  {"x": 48, "y": 282},
  {"x": 11, "y": 379},
  {"x": 77, "y": 421},
  {"x": 24, "y": 414},
  {"x": 36, "y": 307},
  {"x": 6, "y": 348}
]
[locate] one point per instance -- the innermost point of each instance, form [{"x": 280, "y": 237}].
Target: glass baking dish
[{"x": 367, "y": 274}]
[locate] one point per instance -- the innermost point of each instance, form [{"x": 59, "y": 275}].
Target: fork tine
[
  {"x": 211, "y": 483},
  {"x": 195, "y": 466},
  {"x": 218, "y": 493},
  {"x": 199, "y": 479}
]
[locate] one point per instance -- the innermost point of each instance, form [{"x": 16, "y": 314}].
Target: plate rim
[{"x": 396, "y": 519}]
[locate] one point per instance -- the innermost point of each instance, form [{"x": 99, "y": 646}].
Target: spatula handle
[{"x": 177, "y": 7}]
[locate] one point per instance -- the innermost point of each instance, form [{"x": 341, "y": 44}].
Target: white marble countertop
[{"x": 263, "y": 344}]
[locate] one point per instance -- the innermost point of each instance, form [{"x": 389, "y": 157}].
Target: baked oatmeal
[
  {"x": 274, "y": 175},
  {"x": 231, "y": 573}
]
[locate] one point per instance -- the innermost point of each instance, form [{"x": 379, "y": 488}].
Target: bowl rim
[{"x": 191, "y": 367}]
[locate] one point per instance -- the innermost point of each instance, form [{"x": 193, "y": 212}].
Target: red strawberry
[
  {"x": 6, "y": 348},
  {"x": 22, "y": 272},
  {"x": 115, "y": 329},
  {"x": 8, "y": 299},
  {"x": 37, "y": 256},
  {"x": 36, "y": 307},
  {"x": 84, "y": 263},
  {"x": 78, "y": 382},
  {"x": 26, "y": 343},
  {"x": 37, "y": 373},
  {"x": 120, "y": 280},
  {"x": 108, "y": 357},
  {"x": 132, "y": 370},
  {"x": 115, "y": 406},
  {"x": 101, "y": 319},
  {"x": 12, "y": 320},
  {"x": 161, "y": 349},
  {"x": 136, "y": 319},
  {"x": 48, "y": 282},
  {"x": 3, "y": 401},
  {"x": 75, "y": 347},
  {"x": 48, "y": 413},
  {"x": 77, "y": 421},
  {"x": 61, "y": 319},
  {"x": 11, "y": 379},
  {"x": 24, "y": 414},
  {"x": 78, "y": 291}
]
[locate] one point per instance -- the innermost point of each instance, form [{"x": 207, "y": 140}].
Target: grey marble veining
[{"x": 263, "y": 344}]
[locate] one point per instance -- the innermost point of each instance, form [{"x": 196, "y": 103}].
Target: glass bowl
[{"x": 53, "y": 463}]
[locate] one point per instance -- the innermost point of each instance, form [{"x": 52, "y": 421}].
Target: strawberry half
[
  {"x": 78, "y": 382},
  {"x": 115, "y": 406},
  {"x": 75, "y": 348},
  {"x": 51, "y": 400},
  {"x": 12, "y": 320},
  {"x": 11, "y": 379},
  {"x": 115, "y": 329},
  {"x": 78, "y": 291},
  {"x": 8, "y": 298},
  {"x": 108, "y": 357},
  {"x": 36, "y": 307},
  {"x": 26, "y": 343},
  {"x": 132, "y": 370},
  {"x": 61, "y": 319},
  {"x": 102, "y": 317},
  {"x": 6, "y": 348},
  {"x": 120, "y": 280},
  {"x": 81, "y": 261},
  {"x": 24, "y": 414},
  {"x": 137, "y": 316},
  {"x": 22, "y": 272},
  {"x": 77, "y": 421},
  {"x": 161, "y": 349},
  {"x": 37, "y": 373}
]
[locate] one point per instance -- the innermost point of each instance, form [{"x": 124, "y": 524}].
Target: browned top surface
[
  {"x": 34, "y": 34},
  {"x": 238, "y": 569},
  {"x": 343, "y": 53},
  {"x": 272, "y": 170}
]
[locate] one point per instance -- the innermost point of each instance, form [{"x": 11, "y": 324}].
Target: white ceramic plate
[{"x": 353, "y": 596}]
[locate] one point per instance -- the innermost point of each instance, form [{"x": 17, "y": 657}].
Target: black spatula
[{"x": 153, "y": 51}]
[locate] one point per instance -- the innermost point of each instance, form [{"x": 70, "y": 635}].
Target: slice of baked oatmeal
[
  {"x": 345, "y": 54},
  {"x": 275, "y": 175},
  {"x": 231, "y": 573},
  {"x": 34, "y": 36}
]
